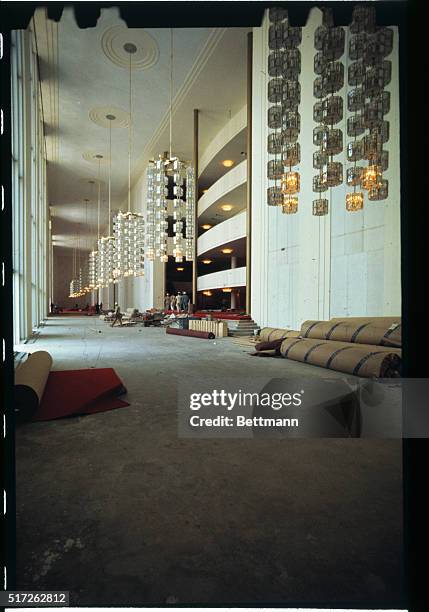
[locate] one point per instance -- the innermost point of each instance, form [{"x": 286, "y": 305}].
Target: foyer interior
[{"x": 117, "y": 507}]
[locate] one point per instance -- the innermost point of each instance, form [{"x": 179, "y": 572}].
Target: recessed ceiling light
[
  {"x": 226, "y": 290},
  {"x": 209, "y": 293},
  {"x": 227, "y": 207},
  {"x": 227, "y": 163},
  {"x": 206, "y": 226},
  {"x": 180, "y": 269},
  {"x": 207, "y": 261},
  {"x": 205, "y": 190},
  {"x": 227, "y": 251}
]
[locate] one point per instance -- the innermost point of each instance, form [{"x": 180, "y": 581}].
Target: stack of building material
[{"x": 218, "y": 328}]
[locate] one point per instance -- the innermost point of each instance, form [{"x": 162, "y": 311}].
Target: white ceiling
[{"x": 209, "y": 74}]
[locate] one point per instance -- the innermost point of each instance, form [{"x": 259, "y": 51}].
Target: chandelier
[
  {"x": 75, "y": 283},
  {"x": 170, "y": 179},
  {"x": 94, "y": 255},
  {"x": 128, "y": 227},
  {"x": 368, "y": 73},
  {"x": 284, "y": 92},
  {"x": 106, "y": 244},
  {"x": 327, "y": 111}
]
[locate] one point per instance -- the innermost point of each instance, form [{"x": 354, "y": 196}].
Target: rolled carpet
[
  {"x": 378, "y": 321},
  {"x": 273, "y": 346},
  {"x": 359, "y": 332},
  {"x": 363, "y": 360},
  {"x": 193, "y": 333},
  {"x": 268, "y": 334},
  {"x": 31, "y": 377}
]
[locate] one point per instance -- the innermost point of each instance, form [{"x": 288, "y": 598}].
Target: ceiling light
[
  {"x": 180, "y": 269},
  {"x": 227, "y": 207},
  {"x": 207, "y": 261},
  {"x": 206, "y": 226},
  {"x": 226, "y": 290},
  {"x": 227, "y": 251},
  {"x": 205, "y": 190},
  {"x": 227, "y": 163},
  {"x": 208, "y": 293}
]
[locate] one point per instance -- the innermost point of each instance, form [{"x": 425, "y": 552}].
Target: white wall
[{"x": 343, "y": 264}]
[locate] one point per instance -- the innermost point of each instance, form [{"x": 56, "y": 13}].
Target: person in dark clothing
[{"x": 118, "y": 316}]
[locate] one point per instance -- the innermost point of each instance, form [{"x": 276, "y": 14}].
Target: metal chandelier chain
[
  {"x": 98, "y": 202},
  {"x": 110, "y": 174},
  {"x": 171, "y": 93},
  {"x": 130, "y": 121}
]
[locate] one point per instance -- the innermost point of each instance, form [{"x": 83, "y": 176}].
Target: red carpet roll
[{"x": 193, "y": 333}]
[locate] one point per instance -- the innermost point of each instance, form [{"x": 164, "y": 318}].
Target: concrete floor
[{"x": 120, "y": 511}]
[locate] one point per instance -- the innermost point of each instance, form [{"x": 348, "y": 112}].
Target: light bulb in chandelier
[
  {"x": 371, "y": 176},
  {"x": 354, "y": 201},
  {"x": 290, "y": 183},
  {"x": 290, "y": 205}
]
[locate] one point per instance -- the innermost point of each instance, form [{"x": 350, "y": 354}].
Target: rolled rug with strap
[
  {"x": 192, "y": 333},
  {"x": 359, "y": 332},
  {"x": 269, "y": 334},
  {"x": 31, "y": 377},
  {"x": 367, "y": 361}
]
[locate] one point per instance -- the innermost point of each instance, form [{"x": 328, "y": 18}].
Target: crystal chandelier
[
  {"x": 369, "y": 73},
  {"x": 284, "y": 93},
  {"x": 75, "y": 283},
  {"x": 128, "y": 227},
  {"x": 106, "y": 244},
  {"x": 328, "y": 110},
  {"x": 94, "y": 255},
  {"x": 170, "y": 179}
]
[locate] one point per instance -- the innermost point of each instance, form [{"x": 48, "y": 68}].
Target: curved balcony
[
  {"x": 235, "y": 277},
  {"x": 229, "y": 143},
  {"x": 228, "y": 231},
  {"x": 230, "y": 189}
]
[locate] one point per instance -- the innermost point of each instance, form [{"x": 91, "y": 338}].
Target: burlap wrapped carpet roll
[
  {"x": 363, "y": 360},
  {"x": 269, "y": 334},
  {"x": 359, "y": 332},
  {"x": 30, "y": 381},
  {"x": 378, "y": 321}
]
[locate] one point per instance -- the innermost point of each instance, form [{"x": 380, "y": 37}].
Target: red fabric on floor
[{"x": 71, "y": 392}]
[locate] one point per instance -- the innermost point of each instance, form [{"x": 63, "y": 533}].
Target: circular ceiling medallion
[
  {"x": 107, "y": 116},
  {"x": 93, "y": 156},
  {"x": 120, "y": 44}
]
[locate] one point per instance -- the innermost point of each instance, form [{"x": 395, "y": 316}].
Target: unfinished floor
[{"x": 117, "y": 509}]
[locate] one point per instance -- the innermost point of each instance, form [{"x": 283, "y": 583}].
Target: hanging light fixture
[
  {"x": 128, "y": 227},
  {"x": 328, "y": 110},
  {"x": 284, "y": 92},
  {"x": 106, "y": 244},
  {"x": 93, "y": 256},
  {"x": 369, "y": 73},
  {"x": 170, "y": 179},
  {"x": 74, "y": 283}
]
